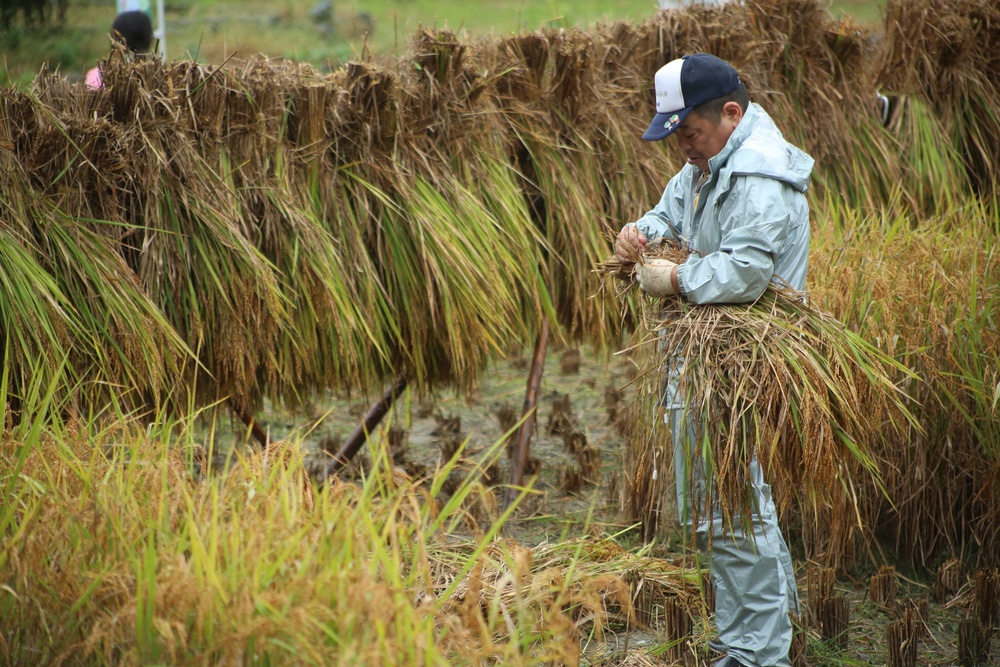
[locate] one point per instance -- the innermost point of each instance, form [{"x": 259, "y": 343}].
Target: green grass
[
  {"x": 867, "y": 12},
  {"x": 211, "y": 31}
]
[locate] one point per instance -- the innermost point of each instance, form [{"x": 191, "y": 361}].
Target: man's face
[{"x": 701, "y": 139}]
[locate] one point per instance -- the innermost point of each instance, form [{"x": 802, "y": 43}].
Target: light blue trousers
[{"x": 753, "y": 577}]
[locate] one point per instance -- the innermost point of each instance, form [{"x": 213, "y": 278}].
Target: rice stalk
[
  {"x": 783, "y": 382},
  {"x": 923, "y": 296},
  {"x": 257, "y": 562}
]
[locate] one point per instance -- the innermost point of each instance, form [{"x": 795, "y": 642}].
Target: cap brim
[{"x": 665, "y": 124}]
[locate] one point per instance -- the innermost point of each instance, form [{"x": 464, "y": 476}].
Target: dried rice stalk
[
  {"x": 901, "y": 637},
  {"x": 819, "y": 586},
  {"x": 947, "y": 580},
  {"x": 884, "y": 586},
  {"x": 834, "y": 619},
  {"x": 973, "y": 642},
  {"x": 779, "y": 380},
  {"x": 624, "y": 269}
]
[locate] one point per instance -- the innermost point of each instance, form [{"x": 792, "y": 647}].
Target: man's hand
[
  {"x": 657, "y": 277},
  {"x": 630, "y": 243}
]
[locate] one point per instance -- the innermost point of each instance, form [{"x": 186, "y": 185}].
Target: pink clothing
[{"x": 94, "y": 78}]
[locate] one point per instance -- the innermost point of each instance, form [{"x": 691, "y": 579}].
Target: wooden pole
[
  {"x": 259, "y": 434},
  {"x": 360, "y": 435},
  {"x": 528, "y": 413}
]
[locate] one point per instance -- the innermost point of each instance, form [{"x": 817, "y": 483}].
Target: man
[{"x": 739, "y": 204}]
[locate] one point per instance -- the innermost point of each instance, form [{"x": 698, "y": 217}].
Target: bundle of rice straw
[{"x": 777, "y": 379}]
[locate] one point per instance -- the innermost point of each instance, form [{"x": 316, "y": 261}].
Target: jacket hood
[{"x": 757, "y": 148}]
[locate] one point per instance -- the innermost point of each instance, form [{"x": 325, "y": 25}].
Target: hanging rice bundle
[
  {"x": 454, "y": 249},
  {"x": 266, "y": 208},
  {"x": 779, "y": 380},
  {"x": 291, "y": 232},
  {"x": 554, "y": 147},
  {"x": 946, "y": 51},
  {"x": 71, "y": 303}
]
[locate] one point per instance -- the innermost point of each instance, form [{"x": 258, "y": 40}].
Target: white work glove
[{"x": 654, "y": 277}]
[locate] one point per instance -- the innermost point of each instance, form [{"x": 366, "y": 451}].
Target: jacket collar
[{"x": 736, "y": 139}]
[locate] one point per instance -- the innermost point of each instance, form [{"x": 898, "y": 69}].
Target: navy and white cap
[{"x": 685, "y": 83}]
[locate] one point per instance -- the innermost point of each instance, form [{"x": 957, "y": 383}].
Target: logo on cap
[{"x": 673, "y": 120}]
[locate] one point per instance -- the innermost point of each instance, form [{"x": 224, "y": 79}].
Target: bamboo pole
[
  {"x": 528, "y": 412},
  {"x": 360, "y": 435}
]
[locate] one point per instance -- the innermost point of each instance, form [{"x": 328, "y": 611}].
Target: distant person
[{"x": 135, "y": 31}]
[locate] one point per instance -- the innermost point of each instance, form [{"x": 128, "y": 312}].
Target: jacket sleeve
[
  {"x": 754, "y": 225},
  {"x": 666, "y": 217}
]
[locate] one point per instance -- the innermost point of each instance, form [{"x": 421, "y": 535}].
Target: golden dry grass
[{"x": 114, "y": 552}]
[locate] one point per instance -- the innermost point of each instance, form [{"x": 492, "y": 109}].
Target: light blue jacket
[{"x": 751, "y": 224}]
